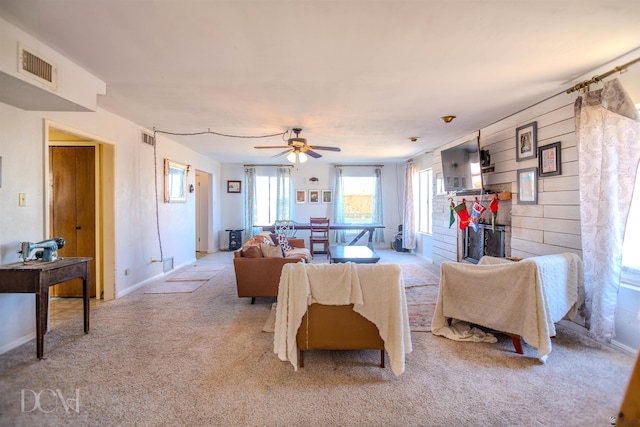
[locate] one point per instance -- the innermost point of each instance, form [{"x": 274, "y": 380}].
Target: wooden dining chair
[{"x": 319, "y": 228}]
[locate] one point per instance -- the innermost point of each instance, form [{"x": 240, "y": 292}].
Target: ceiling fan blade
[
  {"x": 319, "y": 147},
  {"x": 313, "y": 154},
  {"x": 271, "y": 146},
  {"x": 283, "y": 153}
]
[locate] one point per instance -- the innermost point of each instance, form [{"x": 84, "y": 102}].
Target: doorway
[
  {"x": 204, "y": 220},
  {"x": 85, "y": 215}
]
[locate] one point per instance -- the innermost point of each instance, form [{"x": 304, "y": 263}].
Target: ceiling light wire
[{"x": 209, "y": 131}]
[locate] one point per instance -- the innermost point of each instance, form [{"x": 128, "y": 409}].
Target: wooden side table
[{"x": 36, "y": 277}]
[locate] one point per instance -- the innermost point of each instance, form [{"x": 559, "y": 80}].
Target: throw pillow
[
  {"x": 269, "y": 251},
  {"x": 284, "y": 242},
  {"x": 251, "y": 251}
]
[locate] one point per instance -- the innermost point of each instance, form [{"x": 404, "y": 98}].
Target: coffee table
[{"x": 358, "y": 254}]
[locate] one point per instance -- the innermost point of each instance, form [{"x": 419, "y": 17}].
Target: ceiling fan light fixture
[
  {"x": 302, "y": 157},
  {"x": 447, "y": 119},
  {"x": 297, "y": 142},
  {"x": 292, "y": 157}
]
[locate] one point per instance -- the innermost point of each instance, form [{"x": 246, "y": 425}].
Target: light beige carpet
[
  {"x": 203, "y": 360},
  {"x": 174, "y": 287}
]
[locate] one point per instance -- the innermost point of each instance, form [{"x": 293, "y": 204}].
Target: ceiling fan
[{"x": 298, "y": 148}]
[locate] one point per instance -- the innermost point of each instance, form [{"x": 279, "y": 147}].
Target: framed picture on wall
[
  {"x": 527, "y": 141},
  {"x": 327, "y": 196},
  {"x": 314, "y": 196},
  {"x": 234, "y": 186},
  {"x": 528, "y": 186},
  {"x": 549, "y": 160},
  {"x": 301, "y": 196}
]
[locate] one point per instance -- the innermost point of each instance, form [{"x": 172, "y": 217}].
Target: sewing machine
[{"x": 47, "y": 250}]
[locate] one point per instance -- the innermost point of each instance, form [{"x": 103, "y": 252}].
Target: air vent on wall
[
  {"x": 148, "y": 138},
  {"x": 34, "y": 66}
]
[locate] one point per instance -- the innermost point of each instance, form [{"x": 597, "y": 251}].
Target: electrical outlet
[{"x": 22, "y": 199}]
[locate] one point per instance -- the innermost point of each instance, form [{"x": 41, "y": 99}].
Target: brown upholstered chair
[{"x": 319, "y": 229}]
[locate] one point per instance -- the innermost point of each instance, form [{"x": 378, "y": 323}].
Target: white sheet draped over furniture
[
  {"x": 523, "y": 298},
  {"x": 376, "y": 290}
]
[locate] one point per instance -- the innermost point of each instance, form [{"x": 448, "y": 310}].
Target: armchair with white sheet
[{"x": 522, "y": 299}]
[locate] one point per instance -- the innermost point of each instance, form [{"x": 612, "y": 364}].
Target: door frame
[
  {"x": 105, "y": 201},
  {"x": 204, "y": 214}
]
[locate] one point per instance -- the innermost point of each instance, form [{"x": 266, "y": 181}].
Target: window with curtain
[
  {"x": 360, "y": 200},
  {"x": 267, "y": 196},
  {"x": 425, "y": 198}
]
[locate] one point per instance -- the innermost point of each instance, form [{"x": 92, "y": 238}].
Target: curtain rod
[
  {"x": 596, "y": 78},
  {"x": 572, "y": 89},
  {"x": 358, "y": 166},
  {"x": 288, "y": 166}
]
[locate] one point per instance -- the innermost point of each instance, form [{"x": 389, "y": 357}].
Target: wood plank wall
[{"x": 553, "y": 225}]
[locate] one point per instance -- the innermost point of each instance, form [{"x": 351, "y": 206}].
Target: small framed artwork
[
  {"x": 234, "y": 186},
  {"x": 527, "y": 141},
  {"x": 301, "y": 196},
  {"x": 456, "y": 182},
  {"x": 327, "y": 196},
  {"x": 550, "y": 160},
  {"x": 314, "y": 196},
  {"x": 528, "y": 186}
]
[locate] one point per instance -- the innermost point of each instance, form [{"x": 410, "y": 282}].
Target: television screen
[{"x": 461, "y": 168}]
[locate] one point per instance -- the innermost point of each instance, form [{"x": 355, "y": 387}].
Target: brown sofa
[
  {"x": 337, "y": 327},
  {"x": 259, "y": 277}
]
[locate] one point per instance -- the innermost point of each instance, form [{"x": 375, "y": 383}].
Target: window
[
  {"x": 631, "y": 245},
  {"x": 266, "y": 198},
  {"x": 358, "y": 199},
  {"x": 425, "y": 197}
]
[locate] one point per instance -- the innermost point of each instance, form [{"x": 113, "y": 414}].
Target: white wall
[
  {"x": 232, "y": 205},
  {"x": 23, "y": 151}
]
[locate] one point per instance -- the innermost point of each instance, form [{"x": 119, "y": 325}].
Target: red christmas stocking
[
  {"x": 493, "y": 207},
  {"x": 461, "y": 210}
]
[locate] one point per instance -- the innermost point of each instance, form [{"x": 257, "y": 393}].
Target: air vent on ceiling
[
  {"x": 34, "y": 66},
  {"x": 148, "y": 138}
]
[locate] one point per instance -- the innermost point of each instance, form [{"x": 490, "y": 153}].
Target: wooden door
[{"x": 73, "y": 214}]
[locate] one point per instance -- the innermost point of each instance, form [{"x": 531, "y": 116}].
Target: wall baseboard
[{"x": 17, "y": 343}]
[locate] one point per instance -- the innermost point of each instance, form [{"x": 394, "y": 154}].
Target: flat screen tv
[{"x": 461, "y": 169}]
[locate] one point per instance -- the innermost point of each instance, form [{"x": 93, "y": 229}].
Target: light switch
[{"x": 22, "y": 199}]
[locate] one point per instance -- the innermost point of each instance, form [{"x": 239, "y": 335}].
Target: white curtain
[
  {"x": 378, "y": 206},
  {"x": 409, "y": 221},
  {"x": 608, "y": 138},
  {"x": 338, "y": 207},
  {"x": 283, "y": 193},
  {"x": 250, "y": 203}
]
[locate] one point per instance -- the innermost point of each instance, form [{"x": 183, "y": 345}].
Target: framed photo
[
  {"x": 528, "y": 186},
  {"x": 327, "y": 196},
  {"x": 550, "y": 159},
  {"x": 234, "y": 186},
  {"x": 314, "y": 196},
  {"x": 527, "y": 141},
  {"x": 301, "y": 196}
]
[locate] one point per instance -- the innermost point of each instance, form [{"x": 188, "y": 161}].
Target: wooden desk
[
  {"x": 35, "y": 277},
  {"x": 364, "y": 228}
]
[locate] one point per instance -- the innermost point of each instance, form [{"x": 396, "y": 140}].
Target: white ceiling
[{"x": 364, "y": 76}]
